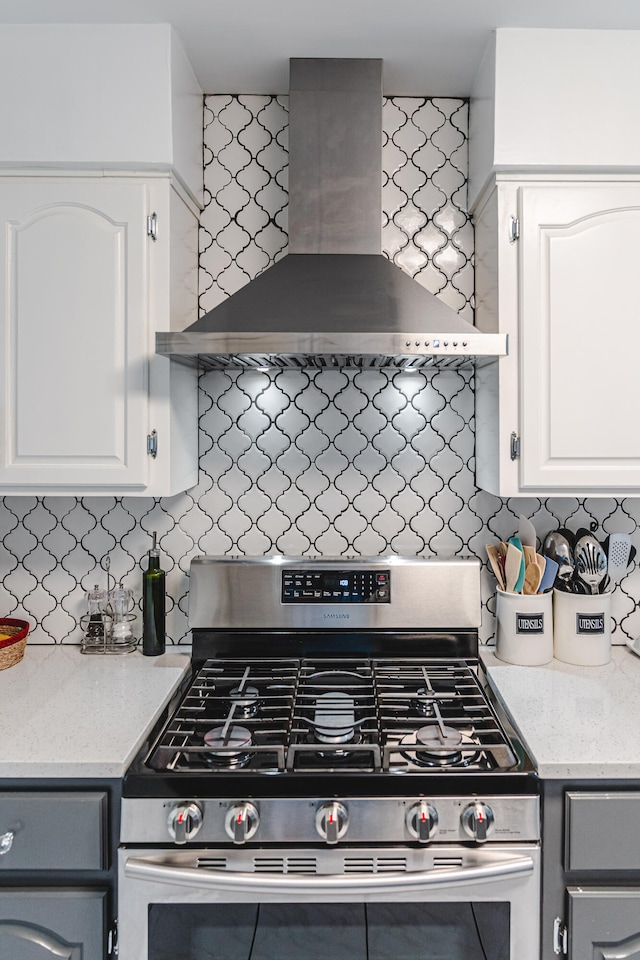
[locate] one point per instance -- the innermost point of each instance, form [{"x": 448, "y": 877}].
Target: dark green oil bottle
[{"x": 153, "y": 605}]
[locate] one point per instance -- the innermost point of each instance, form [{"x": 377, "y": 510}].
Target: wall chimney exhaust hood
[{"x": 334, "y": 299}]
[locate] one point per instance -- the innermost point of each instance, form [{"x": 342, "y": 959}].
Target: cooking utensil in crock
[
  {"x": 526, "y": 532},
  {"x": 532, "y": 578},
  {"x": 591, "y": 562},
  {"x": 513, "y": 562},
  {"x": 549, "y": 575},
  {"x": 618, "y": 550},
  {"x": 523, "y": 564},
  {"x": 557, "y": 547},
  {"x": 494, "y": 560}
]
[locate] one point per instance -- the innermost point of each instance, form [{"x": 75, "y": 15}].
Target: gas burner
[
  {"x": 334, "y": 723},
  {"x": 422, "y": 704},
  {"x": 245, "y": 699},
  {"x": 437, "y": 745},
  {"x": 228, "y": 746}
]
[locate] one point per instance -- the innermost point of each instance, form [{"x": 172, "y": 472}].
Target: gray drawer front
[
  {"x": 54, "y": 831},
  {"x": 602, "y": 831}
]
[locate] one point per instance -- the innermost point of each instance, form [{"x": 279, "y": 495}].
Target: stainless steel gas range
[{"x": 334, "y": 777}]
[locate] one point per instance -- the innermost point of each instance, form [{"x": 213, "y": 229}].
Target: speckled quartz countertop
[
  {"x": 577, "y": 722},
  {"x": 63, "y": 714}
]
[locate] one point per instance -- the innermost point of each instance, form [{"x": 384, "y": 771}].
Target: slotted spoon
[{"x": 591, "y": 562}]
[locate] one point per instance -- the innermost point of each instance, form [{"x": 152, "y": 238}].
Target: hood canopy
[{"x": 334, "y": 300}]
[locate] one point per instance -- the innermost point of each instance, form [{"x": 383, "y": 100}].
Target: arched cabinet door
[
  {"x": 74, "y": 331},
  {"x": 50, "y": 924},
  {"x": 604, "y": 923}
]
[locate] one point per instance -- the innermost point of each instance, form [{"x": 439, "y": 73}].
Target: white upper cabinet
[
  {"x": 558, "y": 415},
  {"x": 95, "y": 96},
  {"x": 557, "y": 247},
  {"x": 85, "y": 289},
  {"x": 100, "y": 181}
]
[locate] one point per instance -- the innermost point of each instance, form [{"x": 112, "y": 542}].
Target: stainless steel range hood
[{"x": 335, "y": 299}]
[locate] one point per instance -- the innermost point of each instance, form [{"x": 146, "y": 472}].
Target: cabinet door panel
[
  {"x": 604, "y": 923},
  {"x": 74, "y": 406},
  {"x": 580, "y": 337},
  {"x": 39, "y": 924}
]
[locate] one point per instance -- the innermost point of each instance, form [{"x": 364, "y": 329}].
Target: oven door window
[{"x": 329, "y": 931}]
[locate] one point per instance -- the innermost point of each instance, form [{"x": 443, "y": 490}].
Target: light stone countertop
[
  {"x": 577, "y": 722},
  {"x": 65, "y": 714}
]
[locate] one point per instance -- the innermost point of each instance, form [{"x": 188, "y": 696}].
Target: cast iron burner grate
[{"x": 327, "y": 716}]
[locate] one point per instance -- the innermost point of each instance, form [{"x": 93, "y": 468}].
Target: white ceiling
[{"x": 429, "y": 47}]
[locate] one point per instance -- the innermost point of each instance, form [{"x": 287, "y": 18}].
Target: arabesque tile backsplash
[{"x": 313, "y": 462}]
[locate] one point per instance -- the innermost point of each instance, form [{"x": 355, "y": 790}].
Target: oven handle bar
[{"x": 292, "y": 884}]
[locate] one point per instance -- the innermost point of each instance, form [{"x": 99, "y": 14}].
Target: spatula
[
  {"x": 532, "y": 578},
  {"x": 618, "y": 551},
  {"x": 515, "y": 541},
  {"x": 494, "y": 560},
  {"x": 549, "y": 575},
  {"x": 526, "y": 532},
  {"x": 514, "y": 560}
]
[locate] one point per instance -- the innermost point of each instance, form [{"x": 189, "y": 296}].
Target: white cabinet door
[
  {"x": 580, "y": 336},
  {"x": 567, "y": 293},
  {"x": 83, "y": 292},
  {"x": 73, "y": 344}
]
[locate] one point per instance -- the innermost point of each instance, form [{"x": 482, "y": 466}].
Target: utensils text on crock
[{"x": 591, "y": 562}]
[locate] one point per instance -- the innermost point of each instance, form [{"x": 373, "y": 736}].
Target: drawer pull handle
[{"x": 6, "y": 842}]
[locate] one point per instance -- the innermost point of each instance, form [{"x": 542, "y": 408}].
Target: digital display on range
[{"x": 329, "y": 586}]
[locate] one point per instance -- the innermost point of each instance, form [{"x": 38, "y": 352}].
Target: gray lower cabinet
[
  {"x": 57, "y": 870},
  {"x": 604, "y": 923},
  {"x": 41, "y": 924},
  {"x": 591, "y": 870}
]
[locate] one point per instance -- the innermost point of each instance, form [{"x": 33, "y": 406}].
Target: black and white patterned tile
[{"x": 306, "y": 462}]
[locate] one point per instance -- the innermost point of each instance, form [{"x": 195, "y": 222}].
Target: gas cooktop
[{"x": 329, "y": 715}]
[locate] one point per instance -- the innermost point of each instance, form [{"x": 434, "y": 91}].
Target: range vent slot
[
  {"x": 283, "y": 865},
  {"x": 446, "y": 863},
  {"x": 214, "y": 361},
  {"x": 212, "y": 863},
  {"x": 375, "y": 865}
]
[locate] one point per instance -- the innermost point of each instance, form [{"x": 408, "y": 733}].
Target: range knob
[
  {"x": 422, "y": 821},
  {"x": 241, "y": 821},
  {"x": 332, "y": 820},
  {"x": 477, "y": 821},
  {"x": 184, "y": 822}
]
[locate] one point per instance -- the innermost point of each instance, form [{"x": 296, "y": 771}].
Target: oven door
[{"x": 446, "y": 903}]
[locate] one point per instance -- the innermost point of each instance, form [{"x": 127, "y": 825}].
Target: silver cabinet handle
[
  {"x": 6, "y": 842},
  {"x": 498, "y": 869},
  {"x": 39, "y": 937}
]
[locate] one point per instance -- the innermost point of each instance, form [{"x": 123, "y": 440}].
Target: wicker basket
[{"x": 14, "y": 634}]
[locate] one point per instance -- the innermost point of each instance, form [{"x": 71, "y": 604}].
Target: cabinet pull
[
  {"x": 152, "y": 444},
  {"x": 559, "y": 937},
  {"x": 152, "y": 226},
  {"x": 6, "y": 842},
  {"x": 515, "y": 446},
  {"x": 514, "y": 229}
]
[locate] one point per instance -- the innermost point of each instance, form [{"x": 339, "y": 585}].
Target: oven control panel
[{"x": 336, "y": 586}]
